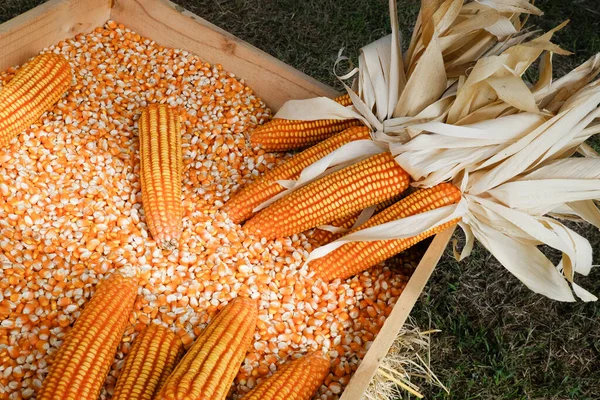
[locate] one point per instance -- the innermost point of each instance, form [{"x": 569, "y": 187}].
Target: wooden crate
[{"x": 274, "y": 81}]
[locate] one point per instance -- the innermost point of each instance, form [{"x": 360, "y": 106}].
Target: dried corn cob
[
  {"x": 344, "y": 100},
  {"x": 323, "y": 236},
  {"x": 153, "y": 356},
  {"x": 355, "y": 257},
  {"x": 84, "y": 359},
  {"x": 161, "y": 169},
  {"x": 296, "y": 380},
  {"x": 284, "y": 135},
  {"x": 209, "y": 367},
  {"x": 36, "y": 87},
  {"x": 240, "y": 206},
  {"x": 344, "y": 192}
]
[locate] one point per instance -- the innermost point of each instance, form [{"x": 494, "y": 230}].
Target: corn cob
[
  {"x": 344, "y": 100},
  {"x": 84, "y": 359},
  {"x": 240, "y": 206},
  {"x": 154, "y": 355},
  {"x": 209, "y": 367},
  {"x": 161, "y": 169},
  {"x": 34, "y": 89},
  {"x": 352, "y": 258},
  {"x": 323, "y": 236},
  {"x": 342, "y": 193},
  {"x": 284, "y": 135},
  {"x": 296, "y": 380}
]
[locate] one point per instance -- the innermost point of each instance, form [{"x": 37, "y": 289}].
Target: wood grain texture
[
  {"x": 394, "y": 322},
  {"x": 170, "y": 25},
  {"x": 26, "y": 35}
]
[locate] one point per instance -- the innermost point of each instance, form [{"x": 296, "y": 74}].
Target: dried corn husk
[
  {"x": 389, "y": 96},
  {"x": 490, "y": 132},
  {"x": 522, "y": 176},
  {"x": 388, "y": 92}
]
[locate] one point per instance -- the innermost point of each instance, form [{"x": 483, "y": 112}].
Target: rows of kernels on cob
[
  {"x": 241, "y": 205},
  {"x": 154, "y": 354},
  {"x": 285, "y": 135},
  {"x": 363, "y": 184},
  {"x": 77, "y": 171},
  {"x": 82, "y": 362},
  {"x": 355, "y": 257}
]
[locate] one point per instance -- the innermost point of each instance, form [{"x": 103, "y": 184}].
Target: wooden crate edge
[
  {"x": 171, "y": 25},
  {"x": 25, "y": 35},
  {"x": 394, "y": 322}
]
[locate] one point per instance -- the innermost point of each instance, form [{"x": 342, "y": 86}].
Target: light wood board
[
  {"x": 29, "y": 33},
  {"x": 170, "y": 25}
]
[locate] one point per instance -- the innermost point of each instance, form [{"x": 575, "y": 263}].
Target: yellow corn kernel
[{"x": 344, "y": 100}]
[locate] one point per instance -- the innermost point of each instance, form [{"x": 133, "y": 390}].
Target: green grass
[{"x": 499, "y": 340}]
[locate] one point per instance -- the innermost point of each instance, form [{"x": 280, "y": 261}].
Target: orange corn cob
[
  {"x": 284, "y": 135},
  {"x": 161, "y": 169},
  {"x": 240, "y": 206},
  {"x": 34, "y": 89},
  {"x": 352, "y": 258},
  {"x": 342, "y": 193},
  {"x": 84, "y": 359},
  {"x": 209, "y": 367},
  {"x": 344, "y": 100},
  {"x": 323, "y": 236},
  {"x": 296, "y": 380},
  {"x": 153, "y": 356}
]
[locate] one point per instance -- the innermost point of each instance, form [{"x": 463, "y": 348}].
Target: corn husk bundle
[
  {"x": 511, "y": 160},
  {"x": 388, "y": 95},
  {"x": 455, "y": 108}
]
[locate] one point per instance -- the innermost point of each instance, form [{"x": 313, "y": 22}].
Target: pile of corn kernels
[{"x": 71, "y": 213}]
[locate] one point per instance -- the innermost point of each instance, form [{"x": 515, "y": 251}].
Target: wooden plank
[
  {"x": 24, "y": 36},
  {"x": 382, "y": 343},
  {"x": 170, "y": 25}
]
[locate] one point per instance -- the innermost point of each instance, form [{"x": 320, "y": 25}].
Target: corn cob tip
[{"x": 168, "y": 245}]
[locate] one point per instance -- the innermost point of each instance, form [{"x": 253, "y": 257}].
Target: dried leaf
[{"x": 429, "y": 73}]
